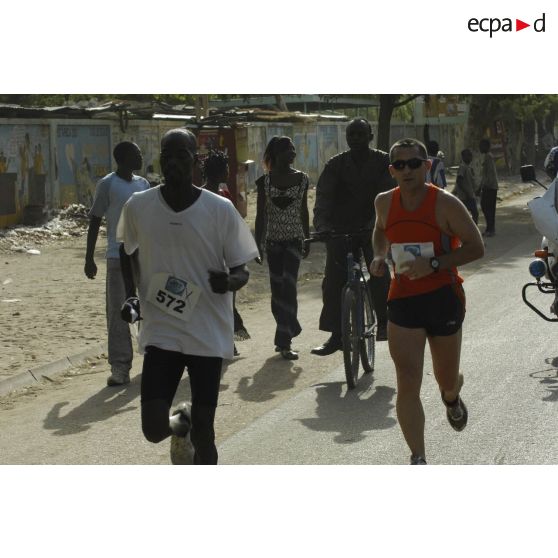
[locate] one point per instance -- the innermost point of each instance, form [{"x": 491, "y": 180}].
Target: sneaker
[
  {"x": 381, "y": 332},
  {"x": 456, "y": 411},
  {"x": 118, "y": 378},
  {"x": 417, "y": 460},
  {"x": 181, "y": 448}
]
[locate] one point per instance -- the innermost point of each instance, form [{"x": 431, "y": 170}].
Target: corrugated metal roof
[{"x": 161, "y": 111}]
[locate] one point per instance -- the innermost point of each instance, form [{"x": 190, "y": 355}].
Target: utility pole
[{"x": 202, "y": 106}]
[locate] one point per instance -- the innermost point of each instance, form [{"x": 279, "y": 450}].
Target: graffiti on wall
[
  {"x": 306, "y": 144},
  {"x": 148, "y": 138},
  {"x": 83, "y": 157},
  {"x": 23, "y": 167},
  {"x": 328, "y": 144},
  {"x": 257, "y": 141}
]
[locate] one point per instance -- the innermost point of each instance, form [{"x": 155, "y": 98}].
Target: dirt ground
[{"x": 50, "y": 310}]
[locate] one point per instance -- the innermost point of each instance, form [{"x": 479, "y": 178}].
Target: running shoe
[
  {"x": 456, "y": 411},
  {"x": 417, "y": 460},
  {"x": 457, "y": 414},
  {"x": 181, "y": 448}
]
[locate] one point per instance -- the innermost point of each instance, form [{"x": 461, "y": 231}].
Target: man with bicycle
[
  {"x": 345, "y": 197},
  {"x": 428, "y": 233}
]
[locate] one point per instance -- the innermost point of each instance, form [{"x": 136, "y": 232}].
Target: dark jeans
[
  {"x": 283, "y": 259},
  {"x": 488, "y": 206},
  {"x": 471, "y": 205},
  {"x": 161, "y": 374},
  {"x": 336, "y": 276}
]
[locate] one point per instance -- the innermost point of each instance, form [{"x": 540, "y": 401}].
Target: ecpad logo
[{"x": 492, "y": 25}]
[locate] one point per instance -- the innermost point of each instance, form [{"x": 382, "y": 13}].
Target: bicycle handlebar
[{"x": 329, "y": 235}]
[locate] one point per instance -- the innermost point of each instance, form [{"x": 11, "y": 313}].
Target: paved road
[{"x": 273, "y": 411}]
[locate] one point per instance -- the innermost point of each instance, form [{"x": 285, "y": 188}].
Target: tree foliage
[
  {"x": 54, "y": 100},
  {"x": 523, "y": 118},
  {"x": 388, "y": 103}
]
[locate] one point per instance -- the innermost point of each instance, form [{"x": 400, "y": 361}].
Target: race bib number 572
[{"x": 177, "y": 297}]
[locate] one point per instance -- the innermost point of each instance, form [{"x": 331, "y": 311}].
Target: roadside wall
[{"x": 52, "y": 163}]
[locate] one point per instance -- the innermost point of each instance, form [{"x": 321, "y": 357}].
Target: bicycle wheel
[
  {"x": 367, "y": 342},
  {"x": 350, "y": 336}
]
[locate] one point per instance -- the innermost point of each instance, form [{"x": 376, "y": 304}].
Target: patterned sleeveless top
[{"x": 283, "y": 210}]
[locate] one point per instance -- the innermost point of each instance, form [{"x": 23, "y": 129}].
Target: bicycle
[{"x": 358, "y": 319}]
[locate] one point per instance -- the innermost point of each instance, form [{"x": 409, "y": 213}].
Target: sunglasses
[{"x": 413, "y": 163}]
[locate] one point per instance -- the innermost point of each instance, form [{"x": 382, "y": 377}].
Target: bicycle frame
[
  {"x": 356, "y": 308},
  {"x": 355, "y": 276}
]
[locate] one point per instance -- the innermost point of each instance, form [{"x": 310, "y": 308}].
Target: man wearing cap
[
  {"x": 345, "y": 197},
  {"x": 192, "y": 249}
]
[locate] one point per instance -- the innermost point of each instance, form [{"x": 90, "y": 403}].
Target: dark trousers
[
  {"x": 471, "y": 205},
  {"x": 283, "y": 259},
  {"x": 336, "y": 276},
  {"x": 488, "y": 206},
  {"x": 161, "y": 374},
  {"x": 238, "y": 322}
]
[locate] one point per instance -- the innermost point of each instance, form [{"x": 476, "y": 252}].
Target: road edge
[{"x": 48, "y": 371}]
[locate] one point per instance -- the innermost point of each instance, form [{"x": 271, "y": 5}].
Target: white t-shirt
[
  {"x": 208, "y": 235},
  {"x": 111, "y": 194}
]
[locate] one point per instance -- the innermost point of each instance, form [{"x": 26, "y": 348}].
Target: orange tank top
[{"x": 418, "y": 233}]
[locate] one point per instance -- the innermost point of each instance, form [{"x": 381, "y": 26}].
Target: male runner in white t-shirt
[{"x": 192, "y": 250}]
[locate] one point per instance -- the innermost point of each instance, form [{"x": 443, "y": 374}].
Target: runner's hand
[
  {"x": 130, "y": 311},
  {"x": 417, "y": 268},
  {"x": 378, "y": 266},
  {"x": 219, "y": 281}
]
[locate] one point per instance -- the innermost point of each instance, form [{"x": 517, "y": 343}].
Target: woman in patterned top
[{"x": 282, "y": 222}]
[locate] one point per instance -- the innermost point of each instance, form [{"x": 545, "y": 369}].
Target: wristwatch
[{"x": 435, "y": 264}]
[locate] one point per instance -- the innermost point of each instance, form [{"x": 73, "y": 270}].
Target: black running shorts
[
  {"x": 440, "y": 312},
  {"x": 162, "y": 372}
]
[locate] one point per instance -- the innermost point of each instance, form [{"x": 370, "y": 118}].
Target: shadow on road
[
  {"x": 108, "y": 402},
  {"x": 549, "y": 378},
  {"x": 352, "y": 413},
  {"x": 276, "y": 374}
]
